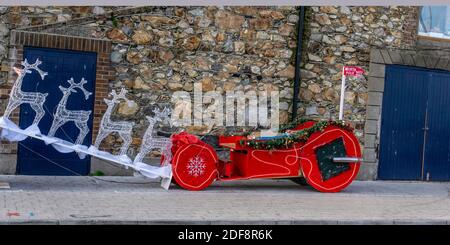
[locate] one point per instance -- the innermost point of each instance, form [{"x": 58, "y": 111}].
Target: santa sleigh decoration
[{"x": 324, "y": 154}]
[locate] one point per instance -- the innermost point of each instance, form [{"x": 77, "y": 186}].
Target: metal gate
[
  {"x": 35, "y": 157},
  {"x": 415, "y": 125}
]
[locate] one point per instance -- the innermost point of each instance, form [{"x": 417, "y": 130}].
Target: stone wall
[
  {"x": 21, "y": 16},
  {"x": 170, "y": 49},
  {"x": 5, "y": 68},
  {"x": 4, "y": 32},
  {"x": 159, "y": 50},
  {"x": 345, "y": 35}
]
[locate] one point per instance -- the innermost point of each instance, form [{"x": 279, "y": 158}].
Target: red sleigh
[{"x": 328, "y": 161}]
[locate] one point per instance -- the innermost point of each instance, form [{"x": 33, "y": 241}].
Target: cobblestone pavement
[{"x": 131, "y": 200}]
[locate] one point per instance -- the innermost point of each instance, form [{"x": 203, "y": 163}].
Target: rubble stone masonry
[{"x": 159, "y": 50}]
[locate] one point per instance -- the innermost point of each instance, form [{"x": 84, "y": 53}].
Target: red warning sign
[{"x": 353, "y": 71}]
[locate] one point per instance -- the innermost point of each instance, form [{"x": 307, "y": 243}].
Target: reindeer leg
[
  {"x": 84, "y": 130},
  {"x": 12, "y": 104},
  {"x": 142, "y": 153},
  {"x": 127, "y": 141},
  {"x": 100, "y": 137},
  {"x": 39, "y": 112},
  {"x": 140, "y": 156},
  {"x": 57, "y": 123}
]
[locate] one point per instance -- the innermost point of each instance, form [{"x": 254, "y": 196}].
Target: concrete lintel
[
  {"x": 386, "y": 56},
  {"x": 376, "y": 57},
  {"x": 395, "y": 56}
]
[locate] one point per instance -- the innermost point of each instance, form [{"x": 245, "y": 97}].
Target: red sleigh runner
[{"x": 326, "y": 155}]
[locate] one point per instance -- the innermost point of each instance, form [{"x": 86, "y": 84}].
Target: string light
[
  {"x": 150, "y": 142},
  {"x": 34, "y": 99},
  {"x": 63, "y": 115}
]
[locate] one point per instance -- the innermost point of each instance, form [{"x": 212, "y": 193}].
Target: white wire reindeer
[
  {"x": 107, "y": 126},
  {"x": 18, "y": 97},
  {"x": 63, "y": 115},
  {"x": 150, "y": 142}
]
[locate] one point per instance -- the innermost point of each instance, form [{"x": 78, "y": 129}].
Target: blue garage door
[
  {"x": 34, "y": 157},
  {"x": 415, "y": 125}
]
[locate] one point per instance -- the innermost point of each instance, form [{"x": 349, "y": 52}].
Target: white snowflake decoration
[
  {"x": 196, "y": 166},
  {"x": 63, "y": 115},
  {"x": 18, "y": 97},
  {"x": 123, "y": 128},
  {"x": 150, "y": 142}
]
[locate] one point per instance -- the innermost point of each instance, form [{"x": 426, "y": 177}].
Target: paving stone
[{"x": 134, "y": 200}]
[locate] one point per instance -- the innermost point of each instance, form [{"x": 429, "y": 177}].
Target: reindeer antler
[
  {"x": 35, "y": 66},
  {"x": 79, "y": 85},
  {"x": 122, "y": 93},
  {"x": 162, "y": 114},
  {"x": 119, "y": 96}
]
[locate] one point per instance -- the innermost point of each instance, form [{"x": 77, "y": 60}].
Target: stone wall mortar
[
  {"x": 224, "y": 49},
  {"x": 166, "y": 49},
  {"x": 159, "y": 50}
]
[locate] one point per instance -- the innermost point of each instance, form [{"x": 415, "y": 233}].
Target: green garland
[
  {"x": 294, "y": 124},
  {"x": 295, "y": 137}
]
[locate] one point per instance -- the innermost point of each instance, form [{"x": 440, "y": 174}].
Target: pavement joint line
[{"x": 75, "y": 200}]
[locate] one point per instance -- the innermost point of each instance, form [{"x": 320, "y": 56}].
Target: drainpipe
[{"x": 298, "y": 60}]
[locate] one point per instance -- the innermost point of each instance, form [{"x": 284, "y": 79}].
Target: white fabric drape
[{"x": 11, "y": 132}]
